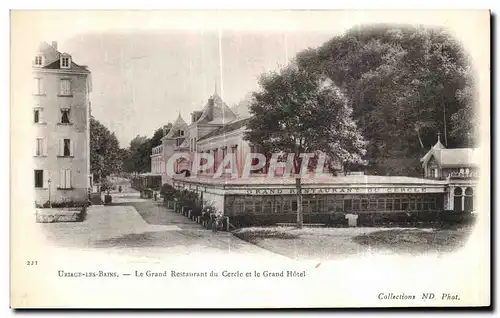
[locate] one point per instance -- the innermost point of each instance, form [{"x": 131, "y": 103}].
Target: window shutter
[
  {"x": 46, "y": 179},
  {"x": 68, "y": 179},
  {"x": 71, "y": 146},
  {"x": 62, "y": 179},
  {"x": 41, "y": 118},
  {"x": 61, "y": 147},
  {"x": 44, "y": 147}
]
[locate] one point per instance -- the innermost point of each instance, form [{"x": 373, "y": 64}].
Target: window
[
  {"x": 397, "y": 204},
  {"x": 339, "y": 206},
  {"x": 67, "y": 144},
  {"x": 364, "y": 204},
  {"x": 65, "y": 62},
  {"x": 286, "y": 206},
  {"x": 38, "y": 178},
  {"x": 65, "y": 116},
  {"x": 436, "y": 174},
  {"x": 267, "y": 206},
  {"x": 36, "y": 114},
  {"x": 355, "y": 204},
  {"x": 388, "y": 205},
  {"x": 277, "y": 206},
  {"x": 405, "y": 204},
  {"x": 348, "y": 204},
  {"x": 178, "y": 142},
  {"x": 419, "y": 204},
  {"x": 65, "y": 148},
  {"x": 38, "y": 60},
  {"x": 381, "y": 204},
  {"x": 65, "y": 87},
  {"x": 65, "y": 179},
  {"x": 412, "y": 204},
  {"x": 40, "y": 145},
  {"x": 37, "y": 87}
]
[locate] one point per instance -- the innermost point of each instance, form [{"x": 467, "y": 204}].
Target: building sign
[{"x": 348, "y": 190}]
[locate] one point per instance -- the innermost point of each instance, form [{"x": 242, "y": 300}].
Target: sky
[
  {"x": 142, "y": 80},
  {"x": 147, "y": 66}
]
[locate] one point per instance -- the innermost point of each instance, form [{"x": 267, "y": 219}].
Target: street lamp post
[{"x": 49, "y": 182}]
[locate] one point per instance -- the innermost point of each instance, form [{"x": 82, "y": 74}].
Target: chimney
[
  {"x": 210, "y": 109},
  {"x": 54, "y": 44}
]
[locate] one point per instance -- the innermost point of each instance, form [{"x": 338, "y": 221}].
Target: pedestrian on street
[{"x": 214, "y": 223}]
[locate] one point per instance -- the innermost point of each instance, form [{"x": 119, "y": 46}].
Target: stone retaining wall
[{"x": 52, "y": 215}]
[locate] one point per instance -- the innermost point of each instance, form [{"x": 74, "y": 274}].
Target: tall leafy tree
[
  {"x": 406, "y": 85},
  {"x": 298, "y": 112},
  {"x": 105, "y": 150}
]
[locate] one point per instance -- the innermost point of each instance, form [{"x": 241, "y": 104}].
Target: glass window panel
[
  {"x": 389, "y": 204},
  {"x": 364, "y": 204},
  {"x": 397, "y": 204},
  {"x": 348, "y": 204},
  {"x": 381, "y": 204},
  {"x": 355, "y": 204}
]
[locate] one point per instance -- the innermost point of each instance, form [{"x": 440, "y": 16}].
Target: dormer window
[
  {"x": 65, "y": 61},
  {"x": 38, "y": 60}
]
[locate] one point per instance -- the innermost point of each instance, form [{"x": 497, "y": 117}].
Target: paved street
[{"x": 142, "y": 227}]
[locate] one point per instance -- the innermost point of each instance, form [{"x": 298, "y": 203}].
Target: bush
[
  {"x": 147, "y": 193},
  {"x": 188, "y": 199},
  {"x": 64, "y": 204},
  {"x": 168, "y": 192},
  {"x": 106, "y": 185}
]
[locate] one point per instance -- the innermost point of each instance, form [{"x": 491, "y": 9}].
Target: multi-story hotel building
[
  {"x": 448, "y": 182},
  {"x": 61, "y": 113}
]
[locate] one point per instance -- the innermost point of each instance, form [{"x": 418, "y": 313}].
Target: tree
[
  {"x": 104, "y": 150},
  {"x": 301, "y": 112},
  {"x": 404, "y": 83},
  {"x": 158, "y": 135},
  {"x": 138, "y": 155}
]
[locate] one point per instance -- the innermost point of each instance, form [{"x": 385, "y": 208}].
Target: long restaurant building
[{"x": 448, "y": 183}]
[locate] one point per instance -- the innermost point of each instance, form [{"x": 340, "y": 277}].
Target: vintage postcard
[{"x": 250, "y": 159}]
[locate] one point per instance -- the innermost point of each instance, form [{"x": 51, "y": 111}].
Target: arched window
[
  {"x": 461, "y": 170},
  {"x": 457, "y": 200},
  {"x": 469, "y": 200},
  {"x": 469, "y": 191}
]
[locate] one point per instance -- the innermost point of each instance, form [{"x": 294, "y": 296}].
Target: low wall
[
  {"x": 77, "y": 194},
  {"x": 52, "y": 215}
]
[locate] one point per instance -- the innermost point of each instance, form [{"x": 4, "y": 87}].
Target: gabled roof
[
  {"x": 222, "y": 114},
  {"x": 460, "y": 157},
  {"x": 178, "y": 124},
  {"x": 450, "y": 158},
  {"x": 437, "y": 146},
  {"x": 226, "y": 129}
]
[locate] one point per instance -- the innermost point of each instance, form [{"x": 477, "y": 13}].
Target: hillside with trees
[{"x": 405, "y": 85}]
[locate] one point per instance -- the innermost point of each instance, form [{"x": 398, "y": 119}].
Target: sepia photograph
[{"x": 250, "y": 159}]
